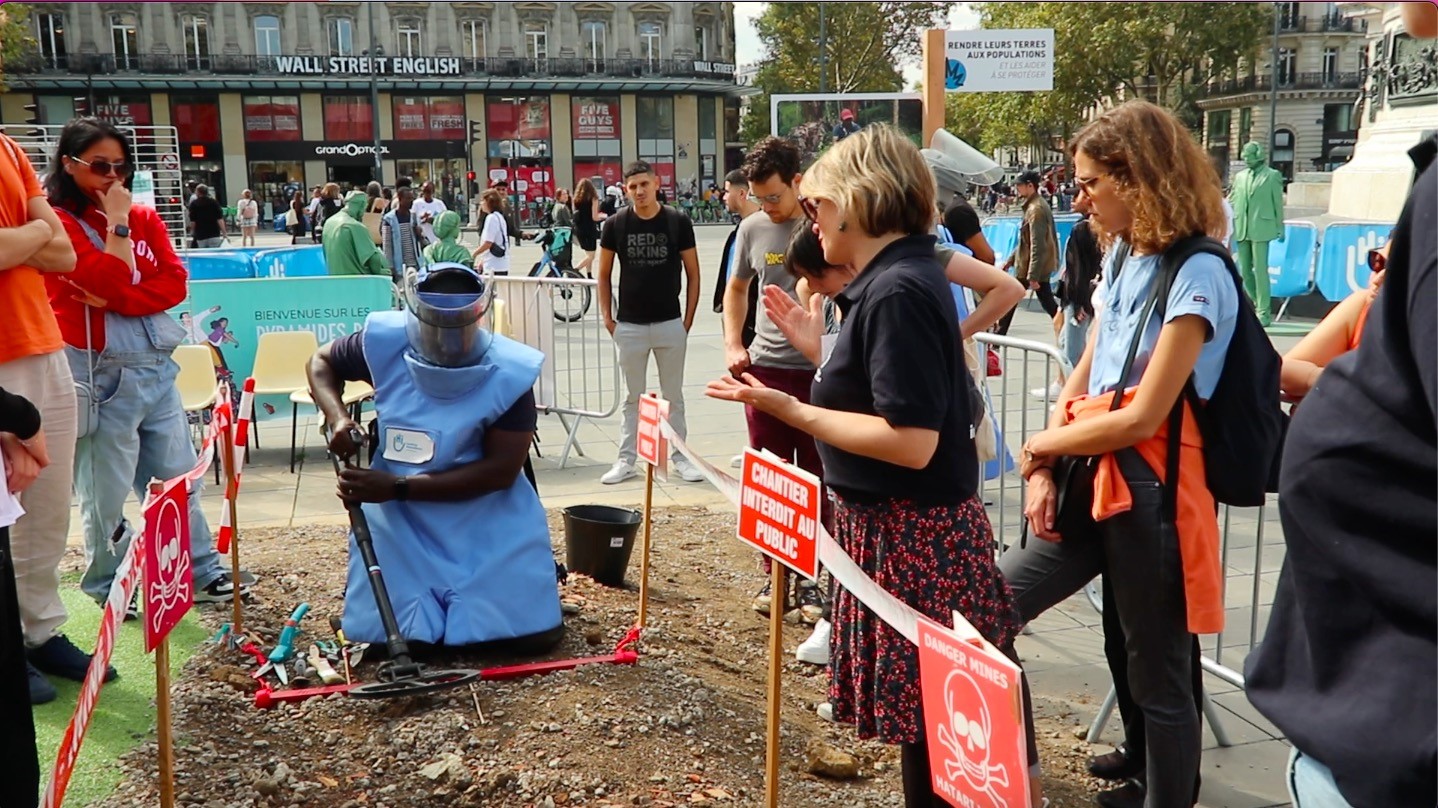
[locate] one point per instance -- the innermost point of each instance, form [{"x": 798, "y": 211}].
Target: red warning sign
[
  {"x": 650, "y": 444},
  {"x": 168, "y": 576},
  {"x": 779, "y": 511},
  {"x": 974, "y": 720}
]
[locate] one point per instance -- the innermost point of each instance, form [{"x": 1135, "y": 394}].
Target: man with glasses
[
  {"x": 772, "y": 170},
  {"x": 1037, "y": 255}
]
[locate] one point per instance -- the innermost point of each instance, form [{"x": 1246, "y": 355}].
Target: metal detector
[{"x": 401, "y": 675}]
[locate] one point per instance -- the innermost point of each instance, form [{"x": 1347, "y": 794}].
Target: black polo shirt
[{"x": 897, "y": 356}]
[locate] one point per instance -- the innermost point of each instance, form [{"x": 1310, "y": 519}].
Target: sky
[{"x": 961, "y": 17}]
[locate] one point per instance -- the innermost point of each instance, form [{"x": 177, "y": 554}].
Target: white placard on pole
[{"x": 1001, "y": 60}]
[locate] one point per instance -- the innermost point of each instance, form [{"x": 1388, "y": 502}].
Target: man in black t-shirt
[
  {"x": 207, "y": 219},
  {"x": 655, "y": 247}
]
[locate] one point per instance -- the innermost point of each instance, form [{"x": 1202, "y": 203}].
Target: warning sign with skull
[
  {"x": 973, "y": 720},
  {"x": 168, "y": 581}
]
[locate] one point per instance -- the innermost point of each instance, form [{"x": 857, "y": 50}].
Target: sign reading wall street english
[
  {"x": 993, "y": 61},
  {"x": 779, "y": 511},
  {"x": 364, "y": 65}
]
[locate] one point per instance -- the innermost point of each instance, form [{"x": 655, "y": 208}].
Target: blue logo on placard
[{"x": 955, "y": 75}]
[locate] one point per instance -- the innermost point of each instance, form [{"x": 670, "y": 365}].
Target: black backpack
[{"x": 1242, "y": 424}]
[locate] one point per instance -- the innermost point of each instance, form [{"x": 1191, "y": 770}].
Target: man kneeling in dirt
[{"x": 460, "y": 534}]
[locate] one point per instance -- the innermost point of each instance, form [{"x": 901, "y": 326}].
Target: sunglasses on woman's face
[
  {"x": 1376, "y": 261},
  {"x": 105, "y": 168},
  {"x": 810, "y": 208}
]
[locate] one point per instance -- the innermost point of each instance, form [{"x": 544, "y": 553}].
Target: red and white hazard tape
[{"x": 241, "y": 436}]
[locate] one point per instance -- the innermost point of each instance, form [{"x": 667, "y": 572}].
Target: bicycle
[{"x": 571, "y": 301}]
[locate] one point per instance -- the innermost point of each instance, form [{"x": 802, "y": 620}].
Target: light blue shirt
[{"x": 1203, "y": 287}]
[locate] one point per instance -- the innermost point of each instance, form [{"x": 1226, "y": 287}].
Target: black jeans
[
  {"x": 1045, "y": 294},
  {"x": 19, "y": 762},
  {"x": 1137, "y": 553}
]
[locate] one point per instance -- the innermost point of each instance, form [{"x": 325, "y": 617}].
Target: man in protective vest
[{"x": 460, "y": 534}]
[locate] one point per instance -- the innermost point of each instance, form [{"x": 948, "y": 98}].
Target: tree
[
  {"x": 1163, "y": 52},
  {"x": 15, "y": 39},
  {"x": 865, "y": 47}
]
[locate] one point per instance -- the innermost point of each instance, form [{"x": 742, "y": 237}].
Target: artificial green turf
[
  {"x": 125, "y": 713},
  {"x": 1291, "y": 328}
]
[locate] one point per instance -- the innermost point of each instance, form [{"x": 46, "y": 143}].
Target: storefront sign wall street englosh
[
  {"x": 364, "y": 65},
  {"x": 999, "y": 60}
]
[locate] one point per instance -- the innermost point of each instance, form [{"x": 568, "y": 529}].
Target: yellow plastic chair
[
  {"x": 280, "y": 361},
  {"x": 196, "y": 382},
  {"x": 355, "y": 394}
]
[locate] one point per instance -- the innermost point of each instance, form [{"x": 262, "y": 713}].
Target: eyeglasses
[
  {"x": 104, "y": 168},
  {"x": 771, "y": 199},
  {"x": 1086, "y": 185},
  {"x": 810, "y": 208},
  {"x": 1377, "y": 262}
]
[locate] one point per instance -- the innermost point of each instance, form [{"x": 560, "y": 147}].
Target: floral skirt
[{"x": 937, "y": 560}]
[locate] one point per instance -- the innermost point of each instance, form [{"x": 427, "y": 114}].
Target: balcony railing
[
  {"x": 270, "y": 66},
  {"x": 1329, "y": 23},
  {"x": 1299, "y": 81}
]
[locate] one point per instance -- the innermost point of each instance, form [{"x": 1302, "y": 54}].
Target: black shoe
[
  {"x": 41, "y": 691},
  {"x": 220, "y": 590},
  {"x": 59, "y": 657},
  {"x": 1128, "y": 795},
  {"x": 811, "y": 602},
  {"x": 1116, "y": 765}
]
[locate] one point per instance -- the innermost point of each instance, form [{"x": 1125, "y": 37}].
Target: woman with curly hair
[{"x": 1149, "y": 185}]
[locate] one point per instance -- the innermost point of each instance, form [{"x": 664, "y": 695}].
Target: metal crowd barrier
[
  {"x": 580, "y": 377},
  {"x": 1247, "y": 598}
]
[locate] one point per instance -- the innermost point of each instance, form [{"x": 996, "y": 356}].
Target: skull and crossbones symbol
[
  {"x": 172, "y": 585},
  {"x": 967, "y": 737}
]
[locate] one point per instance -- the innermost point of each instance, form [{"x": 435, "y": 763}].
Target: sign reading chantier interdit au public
[{"x": 993, "y": 61}]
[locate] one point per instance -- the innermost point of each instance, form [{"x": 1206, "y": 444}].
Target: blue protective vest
[{"x": 457, "y": 572}]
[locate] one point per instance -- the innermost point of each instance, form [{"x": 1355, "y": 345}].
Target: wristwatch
[
  {"x": 401, "y": 488},
  {"x": 120, "y": 230}
]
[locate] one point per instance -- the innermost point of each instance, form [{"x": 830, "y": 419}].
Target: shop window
[
  {"x": 518, "y": 126},
  {"x": 196, "y": 118},
  {"x": 656, "y": 138},
  {"x": 273, "y": 184},
  {"x": 50, "y": 37},
  {"x": 267, "y": 35},
  {"x": 272, "y": 117},
  {"x": 429, "y": 117},
  {"x": 348, "y": 117}
]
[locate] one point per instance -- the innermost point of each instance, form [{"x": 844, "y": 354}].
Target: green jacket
[
  {"x": 443, "y": 252},
  {"x": 1037, "y": 255},
  {"x": 1257, "y": 199},
  {"x": 349, "y": 248}
]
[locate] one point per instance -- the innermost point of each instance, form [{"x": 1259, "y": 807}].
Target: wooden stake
[
  {"x": 934, "y": 92},
  {"x": 162, "y": 703},
  {"x": 232, "y": 490},
  {"x": 778, "y": 601},
  {"x": 644, "y": 558}
]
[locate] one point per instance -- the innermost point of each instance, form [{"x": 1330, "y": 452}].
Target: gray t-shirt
[{"x": 759, "y": 251}]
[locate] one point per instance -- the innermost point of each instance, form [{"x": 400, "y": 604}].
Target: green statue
[
  {"x": 349, "y": 247},
  {"x": 448, "y": 249},
  {"x": 1257, "y": 199}
]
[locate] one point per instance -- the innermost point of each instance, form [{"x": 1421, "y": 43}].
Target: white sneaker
[
  {"x": 1047, "y": 393},
  {"x": 825, "y": 711},
  {"x": 815, "y": 650},
  {"x": 737, "y": 461},
  {"x": 686, "y": 470},
  {"x": 618, "y": 473}
]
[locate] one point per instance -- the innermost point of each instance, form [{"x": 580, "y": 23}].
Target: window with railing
[
  {"x": 1287, "y": 66},
  {"x": 197, "y": 42},
  {"x": 650, "y": 35},
  {"x": 125, "y": 37},
  {"x": 1330, "y": 64},
  {"x": 536, "y": 41},
  {"x": 1245, "y": 126},
  {"x": 267, "y": 35},
  {"x": 50, "y": 37},
  {"x": 1219, "y": 121},
  {"x": 475, "y": 36},
  {"x": 594, "y": 34},
  {"x": 701, "y": 43},
  {"x": 1288, "y": 17},
  {"x": 341, "y": 34},
  {"x": 408, "y": 39}
]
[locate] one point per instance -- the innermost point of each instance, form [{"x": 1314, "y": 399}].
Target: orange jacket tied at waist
[{"x": 1197, "y": 521}]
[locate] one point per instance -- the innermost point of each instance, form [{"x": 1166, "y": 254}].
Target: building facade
[
  {"x": 1320, "y": 69},
  {"x": 277, "y": 96}
]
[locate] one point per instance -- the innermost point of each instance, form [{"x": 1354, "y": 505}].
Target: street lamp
[{"x": 375, "y": 51}]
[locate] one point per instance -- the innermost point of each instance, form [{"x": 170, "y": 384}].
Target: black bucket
[{"x": 598, "y": 541}]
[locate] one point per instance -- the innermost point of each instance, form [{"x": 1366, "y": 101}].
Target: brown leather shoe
[
  {"x": 1128, "y": 795},
  {"x": 1120, "y": 764}
]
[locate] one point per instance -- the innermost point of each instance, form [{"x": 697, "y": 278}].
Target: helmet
[
  {"x": 446, "y": 304},
  {"x": 947, "y": 174}
]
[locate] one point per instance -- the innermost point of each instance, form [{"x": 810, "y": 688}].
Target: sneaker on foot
[
  {"x": 618, "y": 473},
  {"x": 763, "y": 599},
  {"x": 815, "y": 650},
  {"x": 811, "y": 602},
  {"x": 737, "y": 461},
  {"x": 686, "y": 470},
  {"x": 1047, "y": 393},
  {"x": 825, "y": 711},
  {"x": 59, "y": 657},
  {"x": 132, "y": 611},
  {"x": 41, "y": 691},
  {"x": 220, "y": 590}
]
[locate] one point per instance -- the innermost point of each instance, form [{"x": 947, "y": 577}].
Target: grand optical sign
[
  {"x": 364, "y": 65},
  {"x": 349, "y": 149},
  {"x": 992, "y": 61}
]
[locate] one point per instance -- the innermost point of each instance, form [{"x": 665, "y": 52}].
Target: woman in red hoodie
[{"x": 113, "y": 314}]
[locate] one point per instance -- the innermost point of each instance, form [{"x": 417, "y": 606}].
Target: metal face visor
[{"x": 446, "y": 306}]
